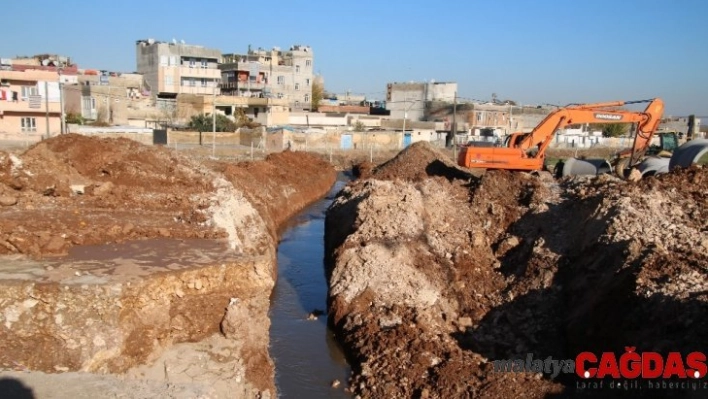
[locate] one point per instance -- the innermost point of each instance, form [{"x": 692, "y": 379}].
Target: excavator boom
[{"x": 528, "y": 152}]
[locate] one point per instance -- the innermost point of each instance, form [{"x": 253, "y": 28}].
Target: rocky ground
[
  {"x": 435, "y": 273},
  {"x": 138, "y": 267}
]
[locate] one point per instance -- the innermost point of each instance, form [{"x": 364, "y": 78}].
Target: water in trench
[{"x": 307, "y": 357}]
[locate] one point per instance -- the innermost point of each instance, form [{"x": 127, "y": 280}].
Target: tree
[
  {"x": 611, "y": 129},
  {"x": 317, "y": 95},
  {"x": 204, "y": 123},
  {"x": 359, "y": 126}
]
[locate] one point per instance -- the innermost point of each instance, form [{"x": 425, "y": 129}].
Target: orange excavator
[{"x": 527, "y": 151}]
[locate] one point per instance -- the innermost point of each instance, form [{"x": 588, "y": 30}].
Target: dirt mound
[
  {"x": 418, "y": 162},
  {"x": 429, "y": 277},
  {"x": 363, "y": 170},
  {"x": 74, "y": 190}
]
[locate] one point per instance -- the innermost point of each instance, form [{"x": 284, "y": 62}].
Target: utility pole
[
  {"x": 213, "y": 122},
  {"x": 61, "y": 102},
  {"x": 454, "y": 127},
  {"x": 46, "y": 105},
  {"x": 110, "y": 116},
  {"x": 405, "y": 112}
]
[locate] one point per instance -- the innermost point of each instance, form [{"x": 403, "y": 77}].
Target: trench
[{"x": 306, "y": 354}]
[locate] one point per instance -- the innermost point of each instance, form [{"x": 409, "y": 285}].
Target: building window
[
  {"x": 27, "y": 91},
  {"x": 281, "y": 80},
  {"x": 308, "y": 63},
  {"x": 297, "y": 68},
  {"x": 173, "y": 60},
  {"x": 29, "y": 124},
  {"x": 192, "y": 62},
  {"x": 307, "y": 82},
  {"x": 168, "y": 80},
  {"x": 297, "y": 86},
  {"x": 205, "y": 64},
  {"x": 307, "y": 98},
  {"x": 204, "y": 82},
  {"x": 163, "y": 60}
]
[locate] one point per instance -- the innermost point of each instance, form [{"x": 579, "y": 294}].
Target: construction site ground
[
  {"x": 141, "y": 271},
  {"x": 435, "y": 273}
]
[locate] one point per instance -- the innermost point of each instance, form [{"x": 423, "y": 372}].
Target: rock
[
  {"x": 164, "y": 232},
  {"x": 77, "y": 188},
  {"x": 55, "y": 244},
  {"x": 634, "y": 175},
  {"x": 103, "y": 189},
  {"x": 8, "y": 200},
  {"x": 128, "y": 228},
  {"x": 335, "y": 383},
  {"x": 464, "y": 321}
]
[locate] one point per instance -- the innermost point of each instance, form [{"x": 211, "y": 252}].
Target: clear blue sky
[{"x": 533, "y": 52}]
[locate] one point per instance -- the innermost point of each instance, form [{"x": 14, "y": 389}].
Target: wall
[{"x": 316, "y": 119}]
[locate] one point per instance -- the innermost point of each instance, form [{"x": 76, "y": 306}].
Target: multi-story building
[
  {"x": 270, "y": 73},
  {"x": 414, "y": 100},
  {"x": 30, "y": 98},
  {"x": 105, "y": 96},
  {"x": 177, "y": 68}
]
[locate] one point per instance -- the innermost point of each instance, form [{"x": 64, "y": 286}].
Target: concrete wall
[{"x": 316, "y": 119}]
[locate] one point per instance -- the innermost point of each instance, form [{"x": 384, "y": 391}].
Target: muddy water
[{"x": 307, "y": 358}]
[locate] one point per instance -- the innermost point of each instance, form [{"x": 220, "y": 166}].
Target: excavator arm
[{"x": 528, "y": 153}]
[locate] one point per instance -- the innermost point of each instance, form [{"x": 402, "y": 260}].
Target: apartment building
[
  {"x": 106, "y": 96},
  {"x": 172, "y": 68},
  {"x": 30, "y": 99},
  {"x": 272, "y": 73},
  {"x": 413, "y": 100}
]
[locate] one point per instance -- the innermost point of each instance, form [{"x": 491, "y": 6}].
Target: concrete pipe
[
  {"x": 689, "y": 153},
  {"x": 575, "y": 166},
  {"x": 654, "y": 166}
]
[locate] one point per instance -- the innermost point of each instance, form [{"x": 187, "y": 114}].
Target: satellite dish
[
  {"x": 182, "y": 41},
  {"x": 174, "y": 41},
  {"x": 45, "y": 62}
]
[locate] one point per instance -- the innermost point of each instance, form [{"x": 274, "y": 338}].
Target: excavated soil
[
  {"x": 435, "y": 273},
  {"x": 107, "y": 312}
]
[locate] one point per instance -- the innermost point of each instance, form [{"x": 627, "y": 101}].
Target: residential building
[
  {"x": 177, "y": 68},
  {"x": 266, "y": 111},
  {"x": 270, "y": 73},
  {"x": 30, "y": 99},
  {"x": 414, "y": 100},
  {"x": 107, "y": 97}
]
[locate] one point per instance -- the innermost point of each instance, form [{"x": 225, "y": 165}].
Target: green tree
[
  {"x": 317, "y": 95},
  {"x": 204, "y": 123},
  {"x": 611, "y": 129},
  {"x": 359, "y": 126}
]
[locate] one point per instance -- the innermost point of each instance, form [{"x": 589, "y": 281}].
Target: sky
[{"x": 532, "y": 52}]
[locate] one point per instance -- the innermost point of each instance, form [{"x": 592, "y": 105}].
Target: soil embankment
[
  {"x": 132, "y": 260},
  {"x": 434, "y": 274}
]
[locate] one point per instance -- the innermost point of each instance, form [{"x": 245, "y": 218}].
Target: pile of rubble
[{"x": 435, "y": 273}]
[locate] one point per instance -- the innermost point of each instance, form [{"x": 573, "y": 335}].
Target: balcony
[
  {"x": 199, "y": 72},
  {"x": 23, "y": 106},
  {"x": 242, "y": 86}
]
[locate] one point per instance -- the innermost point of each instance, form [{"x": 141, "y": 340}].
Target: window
[
  {"x": 297, "y": 68},
  {"x": 308, "y": 63},
  {"x": 192, "y": 62},
  {"x": 169, "y": 80},
  {"x": 163, "y": 60},
  {"x": 173, "y": 60},
  {"x": 297, "y": 86},
  {"x": 192, "y": 82},
  {"x": 204, "y": 82},
  {"x": 281, "y": 80},
  {"x": 307, "y": 82},
  {"x": 29, "y": 124},
  {"x": 205, "y": 64},
  {"x": 27, "y": 91},
  {"x": 307, "y": 98}
]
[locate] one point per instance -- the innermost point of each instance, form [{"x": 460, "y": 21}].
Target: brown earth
[
  {"x": 73, "y": 192},
  {"x": 435, "y": 273}
]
